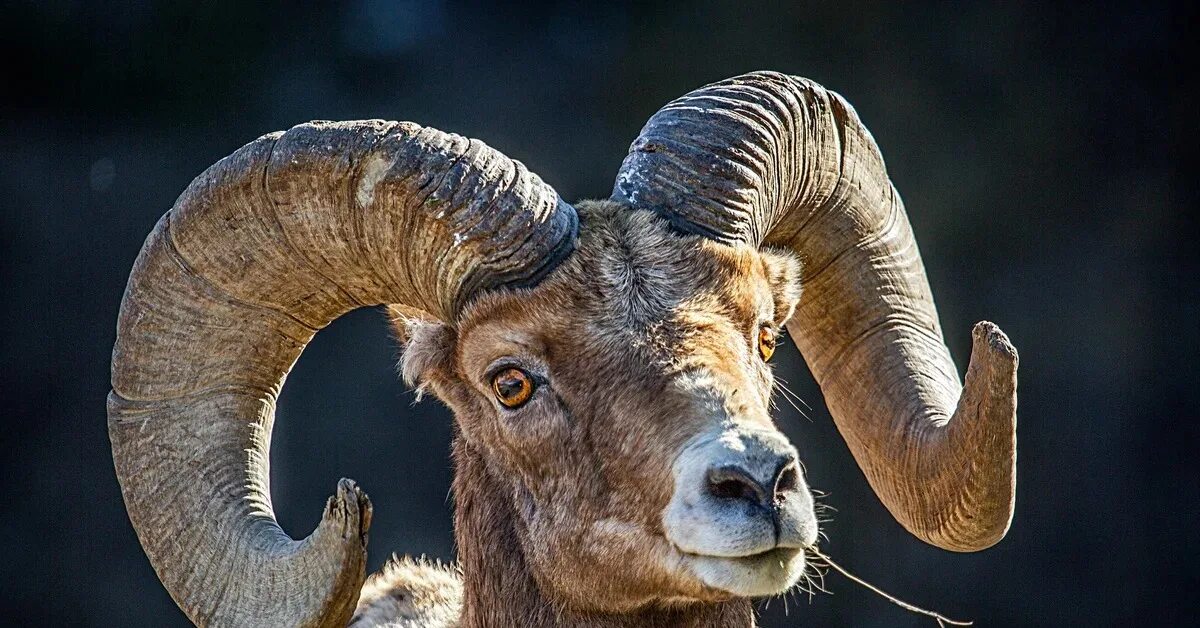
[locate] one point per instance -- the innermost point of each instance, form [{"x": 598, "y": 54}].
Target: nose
[
  {"x": 739, "y": 492},
  {"x": 762, "y": 480}
]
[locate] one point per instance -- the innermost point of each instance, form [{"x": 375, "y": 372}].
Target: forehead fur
[{"x": 630, "y": 269}]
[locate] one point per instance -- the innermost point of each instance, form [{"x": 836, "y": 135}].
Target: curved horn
[
  {"x": 766, "y": 158},
  {"x": 265, "y": 248}
]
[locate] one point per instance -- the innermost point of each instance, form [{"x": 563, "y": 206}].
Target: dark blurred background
[{"x": 1039, "y": 148}]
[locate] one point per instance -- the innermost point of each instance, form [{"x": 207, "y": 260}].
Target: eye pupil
[
  {"x": 510, "y": 387},
  {"x": 513, "y": 387}
]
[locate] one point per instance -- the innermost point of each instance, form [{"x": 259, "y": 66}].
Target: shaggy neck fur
[{"x": 498, "y": 588}]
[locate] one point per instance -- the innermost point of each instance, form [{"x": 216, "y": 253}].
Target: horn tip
[
  {"x": 988, "y": 340},
  {"x": 349, "y": 510}
]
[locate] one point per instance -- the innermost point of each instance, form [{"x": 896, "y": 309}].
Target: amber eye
[
  {"x": 766, "y": 342},
  {"x": 513, "y": 387}
]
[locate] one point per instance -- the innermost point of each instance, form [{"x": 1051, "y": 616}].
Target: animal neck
[{"x": 498, "y": 587}]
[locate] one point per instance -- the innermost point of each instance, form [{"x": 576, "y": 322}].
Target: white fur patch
[{"x": 410, "y": 593}]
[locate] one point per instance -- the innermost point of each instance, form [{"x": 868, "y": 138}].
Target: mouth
[
  {"x": 761, "y": 574},
  {"x": 774, "y": 554}
]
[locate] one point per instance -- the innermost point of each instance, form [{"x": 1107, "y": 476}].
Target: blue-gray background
[{"x": 1040, "y": 150}]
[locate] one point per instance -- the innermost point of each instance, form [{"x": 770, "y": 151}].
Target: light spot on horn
[{"x": 373, "y": 172}]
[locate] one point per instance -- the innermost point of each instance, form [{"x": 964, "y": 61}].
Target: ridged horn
[
  {"x": 767, "y": 158},
  {"x": 260, "y": 252}
]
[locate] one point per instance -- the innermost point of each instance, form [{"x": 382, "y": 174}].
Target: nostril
[
  {"x": 734, "y": 483},
  {"x": 787, "y": 482},
  {"x": 732, "y": 489}
]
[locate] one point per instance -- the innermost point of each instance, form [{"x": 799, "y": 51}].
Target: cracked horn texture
[
  {"x": 771, "y": 159},
  {"x": 261, "y": 251}
]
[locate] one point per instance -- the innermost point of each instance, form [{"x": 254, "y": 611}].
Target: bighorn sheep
[{"x": 606, "y": 364}]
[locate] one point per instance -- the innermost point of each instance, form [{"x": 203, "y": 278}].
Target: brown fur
[{"x": 559, "y": 503}]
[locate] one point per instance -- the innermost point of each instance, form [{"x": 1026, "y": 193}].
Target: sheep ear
[
  {"x": 428, "y": 345},
  {"x": 783, "y": 275}
]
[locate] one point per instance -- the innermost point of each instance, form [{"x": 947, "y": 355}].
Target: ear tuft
[
  {"x": 783, "y": 274},
  {"x": 427, "y": 345}
]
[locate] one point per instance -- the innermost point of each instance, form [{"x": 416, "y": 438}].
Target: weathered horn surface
[
  {"x": 262, "y": 250},
  {"x": 767, "y": 158}
]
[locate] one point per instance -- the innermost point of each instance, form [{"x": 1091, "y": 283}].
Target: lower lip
[{"x": 755, "y": 575}]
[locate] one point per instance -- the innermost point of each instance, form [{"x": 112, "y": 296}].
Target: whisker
[
  {"x": 813, "y": 587},
  {"x": 791, "y": 397},
  {"x": 800, "y": 587},
  {"x": 793, "y": 403},
  {"x": 819, "y": 581},
  {"x": 783, "y": 383}
]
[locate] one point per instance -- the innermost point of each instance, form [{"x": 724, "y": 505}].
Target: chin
[{"x": 759, "y": 575}]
